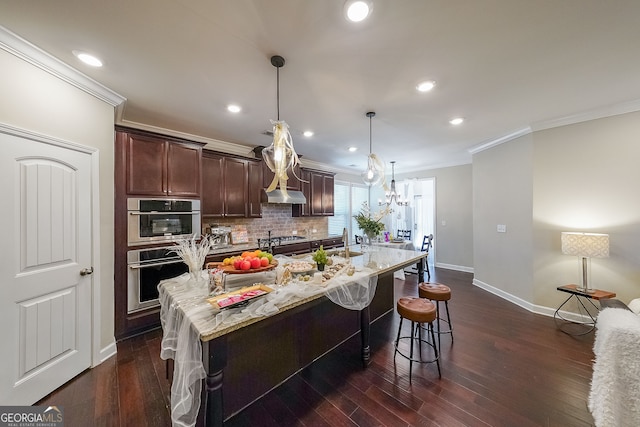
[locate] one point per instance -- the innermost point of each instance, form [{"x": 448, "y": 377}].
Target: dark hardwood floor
[{"x": 506, "y": 367}]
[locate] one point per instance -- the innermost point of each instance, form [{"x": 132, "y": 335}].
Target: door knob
[{"x": 86, "y": 271}]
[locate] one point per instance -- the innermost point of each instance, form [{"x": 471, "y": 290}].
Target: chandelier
[
  {"x": 375, "y": 168},
  {"x": 280, "y": 155},
  {"x": 392, "y": 196}
]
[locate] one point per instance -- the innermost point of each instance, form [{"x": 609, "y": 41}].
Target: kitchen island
[{"x": 249, "y": 352}]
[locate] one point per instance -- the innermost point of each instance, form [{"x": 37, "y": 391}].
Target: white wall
[{"x": 35, "y": 100}]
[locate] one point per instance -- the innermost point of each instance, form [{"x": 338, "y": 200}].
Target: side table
[{"x": 581, "y": 297}]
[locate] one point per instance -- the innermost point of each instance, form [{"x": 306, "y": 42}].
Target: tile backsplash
[{"x": 277, "y": 218}]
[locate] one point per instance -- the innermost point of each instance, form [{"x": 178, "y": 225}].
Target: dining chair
[
  {"x": 427, "y": 243},
  {"x": 358, "y": 239},
  {"x": 404, "y": 234}
]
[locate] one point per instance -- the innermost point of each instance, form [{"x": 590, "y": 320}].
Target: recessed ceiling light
[
  {"x": 232, "y": 108},
  {"x": 456, "y": 121},
  {"x": 308, "y": 133},
  {"x": 87, "y": 58},
  {"x": 425, "y": 86},
  {"x": 352, "y": 149},
  {"x": 357, "y": 11}
]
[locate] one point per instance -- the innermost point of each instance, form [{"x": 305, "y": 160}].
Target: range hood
[{"x": 276, "y": 196}]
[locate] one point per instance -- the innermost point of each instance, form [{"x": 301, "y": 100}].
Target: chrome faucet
[{"x": 345, "y": 240}]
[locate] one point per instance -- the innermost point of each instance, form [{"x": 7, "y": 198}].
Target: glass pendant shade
[{"x": 372, "y": 176}]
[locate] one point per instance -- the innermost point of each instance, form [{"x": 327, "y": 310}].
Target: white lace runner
[{"x": 186, "y": 316}]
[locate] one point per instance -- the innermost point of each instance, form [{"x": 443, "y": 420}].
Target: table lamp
[{"x": 585, "y": 245}]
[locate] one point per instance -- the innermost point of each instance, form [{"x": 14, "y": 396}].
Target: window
[{"x": 347, "y": 199}]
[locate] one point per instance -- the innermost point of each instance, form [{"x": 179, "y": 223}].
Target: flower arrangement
[
  {"x": 368, "y": 222},
  {"x": 193, "y": 253}
]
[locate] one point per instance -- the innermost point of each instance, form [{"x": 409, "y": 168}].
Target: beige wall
[
  {"x": 454, "y": 241},
  {"x": 579, "y": 177},
  {"x": 35, "y": 100},
  {"x": 585, "y": 179},
  {"x": 502, "y": 194}
]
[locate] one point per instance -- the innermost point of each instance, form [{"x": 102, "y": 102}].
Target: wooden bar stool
[
  {"x": 419, "y": 311},
  {"x": 438, "y": 292}
]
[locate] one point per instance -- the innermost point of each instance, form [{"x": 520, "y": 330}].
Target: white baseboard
[
  {"x": 107, "y": 352},
  {"x": 454, "y": 267},
  {"x": 538, "y": 309}
]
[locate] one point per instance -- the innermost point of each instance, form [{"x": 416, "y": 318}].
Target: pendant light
[
  {"x": 392, "y": 196},
  {"x": 375, "y": 168},
  {"x": 280, "y": 156}
]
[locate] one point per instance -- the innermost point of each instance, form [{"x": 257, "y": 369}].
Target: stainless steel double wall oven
[{"x": 156, "y": 221}]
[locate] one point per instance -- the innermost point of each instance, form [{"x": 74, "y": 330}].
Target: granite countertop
[{"x": 374, "y": 262}]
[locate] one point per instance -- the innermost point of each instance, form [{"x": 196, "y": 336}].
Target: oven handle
[
  {"x": 155, "y": 264},
  {"x": 163, "y": 213}
]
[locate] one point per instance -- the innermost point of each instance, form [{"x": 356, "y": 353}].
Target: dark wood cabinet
[
  {"x": 232, "y": 186},
  {"x": 293, "y": 183},
  {"x": 212, "y": 185},
  {"x": 255, "y": 189},
  {"x": 319, "y": 193},
  {"x": 156, "y": 166},
  {"x": 292, "y": 249}
]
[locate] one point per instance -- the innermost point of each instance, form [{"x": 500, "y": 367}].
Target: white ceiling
[{"x": 504, "y": 65}]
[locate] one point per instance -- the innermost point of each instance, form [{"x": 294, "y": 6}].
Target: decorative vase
[
  {"x": 196, "y": 280},
  {"x": 320, "y": 267}
]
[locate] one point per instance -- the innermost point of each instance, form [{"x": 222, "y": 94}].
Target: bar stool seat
[
  {"x": 419, "y": 311},
  {"x": 439, "y": 293}
]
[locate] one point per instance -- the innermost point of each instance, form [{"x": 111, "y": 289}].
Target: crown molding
[
  {"x": 494, "y": 142},
  {"x": 585, "y": 116},
  {"x": 32, "y": 54}
]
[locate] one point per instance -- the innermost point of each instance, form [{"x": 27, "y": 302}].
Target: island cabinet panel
[
  {"x": 293, "y": 183},
  {"x": 156, "y": 166}
]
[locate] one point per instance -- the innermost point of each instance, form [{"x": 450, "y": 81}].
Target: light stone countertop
[{"x": 210, "y": 322}]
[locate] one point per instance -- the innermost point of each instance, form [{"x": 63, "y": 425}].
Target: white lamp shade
[{"x": 588, "y": 245}]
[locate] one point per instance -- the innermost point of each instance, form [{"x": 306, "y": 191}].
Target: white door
[{"x": 45, "y": 303}]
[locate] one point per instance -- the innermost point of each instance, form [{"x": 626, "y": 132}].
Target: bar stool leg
[
  {"x": 435, "y": 349},
  {"x": 446, "y": 305},
  {"x": 438, "y": 320},
  {"x": 398, "y": 338},
  {"x": 413, "y": 332}
]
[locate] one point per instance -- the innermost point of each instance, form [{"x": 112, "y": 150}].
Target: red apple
[
  {"x": 245, "y": 265},
  {"x": 264, "y": 261},
  {"x": 237, "y": 263},
  {"x": 255, "y": 262}
]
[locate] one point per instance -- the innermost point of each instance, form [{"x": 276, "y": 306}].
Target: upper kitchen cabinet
[
  {"x": 319, "y": 193},
  {"x": 293, "y": 183},
  {"x": 157, "y": 166},
  {"x": 231, "y": 186}
]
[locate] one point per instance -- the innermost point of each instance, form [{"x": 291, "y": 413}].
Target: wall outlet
[
  {"x": 502, "y": 228},
  {"x": 444, "y": 223},
  {"x": 294, "y": 232}
]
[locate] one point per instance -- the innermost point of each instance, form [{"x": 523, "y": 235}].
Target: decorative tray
[
  {"x": 230, "y": 270},
  {"x": 397, "y": 240},
  {"x": 240, "y": 297},
  {"x": 300, "y": 267}
]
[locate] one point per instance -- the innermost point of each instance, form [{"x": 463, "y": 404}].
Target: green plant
[
  {"x": 368, "y": 223},
  {"x": 320, "y": 256}
]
